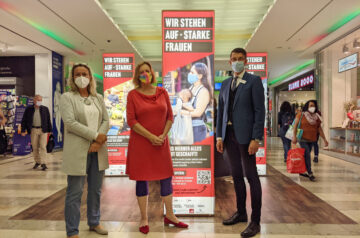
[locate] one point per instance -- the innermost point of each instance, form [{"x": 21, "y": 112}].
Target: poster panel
[
  {"x": 257, "y": 65},
  {"x": 188, "y": 76},
  {"x": 118, "y": 71},
  {"x": 22, "y": 144},
  {"x": 57, "y": 87}
]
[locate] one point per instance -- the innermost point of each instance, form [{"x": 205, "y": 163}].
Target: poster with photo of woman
[{"x": 192, "y": 100}]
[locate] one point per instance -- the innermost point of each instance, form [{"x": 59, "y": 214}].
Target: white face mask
[
  {"x": 38, "y": 103},
  {"x": 312, "y": 109},
  {"x": 82, "y": 82}
]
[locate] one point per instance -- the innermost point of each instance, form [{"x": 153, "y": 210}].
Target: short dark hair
[
  {"x": 238, "y": 50},
  {"x": 285, "y": 107},
  {"x": 306, "y": 106}
]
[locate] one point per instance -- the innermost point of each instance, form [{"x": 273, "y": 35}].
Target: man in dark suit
[{"x": 240, "y": 129}]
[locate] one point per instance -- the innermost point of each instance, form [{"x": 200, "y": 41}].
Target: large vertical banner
[
  {"x": 118, "y": 71},
  {"x": 257, "y": 65},
  {"x": 188, "y": 76},
  {"x": 57, "y": 87},
  {"x": 22, "y": 144}
]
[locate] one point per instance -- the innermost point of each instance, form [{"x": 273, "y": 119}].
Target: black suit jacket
[
  {"x": 27, "y": 120},
  {"x": 248, "y": 109}
]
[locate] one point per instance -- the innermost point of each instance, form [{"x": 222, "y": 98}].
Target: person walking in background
[
  {"x": 85, "y": 152},
  {"x": 316, "y": 143},
  {"x": 311, "y": 126},
  {"x": 239, "y": 131},
  {"x": 36, "y": 122},
  {"x": 150, "y": 117},
  {"x": 285, "y": 119}
]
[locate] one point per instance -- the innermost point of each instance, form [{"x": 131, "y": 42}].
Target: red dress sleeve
[
  {"x": 170, "y": 116},
  {"x": 130, "y": 111}
]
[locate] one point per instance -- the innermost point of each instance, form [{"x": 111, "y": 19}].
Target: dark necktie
[{"x": 233, "y": 83}]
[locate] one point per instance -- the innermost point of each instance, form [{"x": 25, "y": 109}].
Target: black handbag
[
  {"x": 50, "y": 144},
  {"x": 3, "y": 141}
]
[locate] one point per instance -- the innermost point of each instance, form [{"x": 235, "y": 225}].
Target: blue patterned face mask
[
  {"x": 238, "y": 66},
  {"x": 192, "y": 78}
]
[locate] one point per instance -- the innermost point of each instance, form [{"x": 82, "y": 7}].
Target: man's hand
[
  {"x": 23, "y": 133},
  {"x": 253, "y": 147},
  {"x": 101, "y": 138},
  {"x": 94, "y": 147},
  {"x": 220, "y": 145}
]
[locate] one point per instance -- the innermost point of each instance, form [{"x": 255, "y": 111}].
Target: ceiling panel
[{"x": 140, "y": 21}]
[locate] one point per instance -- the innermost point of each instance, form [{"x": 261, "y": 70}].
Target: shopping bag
[
  {"x": 296, "y": 161},
  {"x": 290, "y": 132},
  {"x": 182, "y": 130},
  {"x": 50, "y": 144}
]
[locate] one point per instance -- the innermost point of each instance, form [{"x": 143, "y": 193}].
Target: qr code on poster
[{"x": 203, "y": 177}]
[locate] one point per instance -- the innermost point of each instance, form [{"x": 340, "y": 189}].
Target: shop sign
[
  {"x": 308, "y": 80},
  {"x": 347, "y": 63}
]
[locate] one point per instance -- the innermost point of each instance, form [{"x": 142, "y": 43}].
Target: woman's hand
[
  {"x": 294, "y": 140},
  {"x": 162, "y": 137},
  {"x": 326, "y": 143},
  {"x": 101, "y": 138},
  {"x": 94, "y": 147},
  {"x": 155, "y": 140},
  {"x": 185, "y": 112}
]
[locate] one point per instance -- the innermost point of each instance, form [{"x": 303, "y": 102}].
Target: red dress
[{"x": 144, "y": 161}]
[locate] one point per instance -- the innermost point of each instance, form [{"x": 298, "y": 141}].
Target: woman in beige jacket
[{"x": 85, "y": 153}]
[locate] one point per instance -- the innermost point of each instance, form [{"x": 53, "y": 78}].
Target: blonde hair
[
  {"x": 92, "y": 84},
  {"x": 136, "y": 79}
]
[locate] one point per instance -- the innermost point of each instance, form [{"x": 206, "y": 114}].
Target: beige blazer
[{"x": 78, "y": 137}]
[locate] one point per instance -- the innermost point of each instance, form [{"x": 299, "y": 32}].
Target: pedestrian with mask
[
  {"x": 239, "y": 131},
  {"x": 36, "y": 122},
  {"x": 310, "y": 123}
]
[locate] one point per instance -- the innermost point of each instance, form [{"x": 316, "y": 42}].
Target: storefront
[
  {"x": 339, "y": 73},
  {"x": 297, "y": 92},
  {"x": 21, "y": 77}
]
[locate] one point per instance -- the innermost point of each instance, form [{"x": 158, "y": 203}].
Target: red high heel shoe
[
  {"x": 180, "y": 224},
  {"x": 144, "y": 229}
]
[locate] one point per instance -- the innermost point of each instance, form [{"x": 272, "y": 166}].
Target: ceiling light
[
  {"x": 356, "y": 44},
  {"x": 346, "y": 49},
  {"x": 4, "y": 48}
]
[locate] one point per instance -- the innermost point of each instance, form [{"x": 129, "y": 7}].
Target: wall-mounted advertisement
[
  {"x": 57, "y": 76},
  {"x": 188, "y": 76},
  {"x": 118, "y": 71},
  {"x": 257, "y": 65},
  {"x": 22, "y": 144},
  {"x": 347, "y": 63}
]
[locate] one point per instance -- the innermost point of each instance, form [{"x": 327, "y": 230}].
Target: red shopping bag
[{"x": 296, "y": 161}]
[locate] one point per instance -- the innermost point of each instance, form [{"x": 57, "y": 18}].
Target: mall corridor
[{"x": 31, "y": 203}]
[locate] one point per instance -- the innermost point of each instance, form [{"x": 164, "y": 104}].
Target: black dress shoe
[
  {"x": 236, "y": 218},
  {"x": 251, "y": 230},
  {"x": 36, "y": 165},
  {"x": 43, "y": 166}
]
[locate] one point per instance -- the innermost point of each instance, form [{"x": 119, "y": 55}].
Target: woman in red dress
[{"x": 150, "y": 117}]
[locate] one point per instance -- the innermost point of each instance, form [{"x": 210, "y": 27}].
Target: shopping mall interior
[{"x": 300, "y": 49}]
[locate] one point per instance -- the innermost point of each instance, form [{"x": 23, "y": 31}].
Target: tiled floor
[{"x": 338, "y": 183}]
